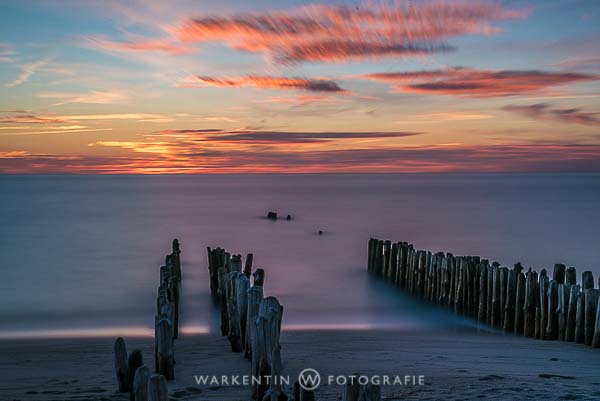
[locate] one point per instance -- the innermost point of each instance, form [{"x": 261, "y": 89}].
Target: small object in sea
[
  {"x": 272, "y": 215},
  {"x": 320, "y": 232},
  {"x": 289, "y": 217}
]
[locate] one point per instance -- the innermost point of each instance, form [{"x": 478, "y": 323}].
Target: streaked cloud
[
  {"x": 30, "y": 119},
  {"x": 270, "y": 82},
  {"x": 369, "y": 30},
  {"x": 142, "y": 45},
  {"x": 93, "y": 97},
  {"x": 189, "y": 158},
  {"x": 543, "y": 111},
  {"x": 26, "y": 71},
  {"x": 281, "y": 137},
  {"x": 469, "y": 82}
]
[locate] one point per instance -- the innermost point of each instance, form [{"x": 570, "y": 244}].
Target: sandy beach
[{"x": 457, "y": 365}]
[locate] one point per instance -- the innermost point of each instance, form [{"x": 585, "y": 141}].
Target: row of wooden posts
[
  {"x": 525, "y": 303},
  {"x": 251, "y": 321},
  {"x": 132, "y": 375},
  {"x": 252, "y": 324}
]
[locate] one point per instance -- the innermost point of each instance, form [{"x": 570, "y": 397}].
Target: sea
[{"x": 80, "y": 254}]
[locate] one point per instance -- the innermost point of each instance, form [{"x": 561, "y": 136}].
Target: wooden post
[
  {"x": 393, "y": 267},
  {"x": 531, "y": 292},
  {"x": 596, "y": 337},
  {"x": 370, "y": 255},
  {"x": 166, "y": 358},
  {"x": 552, "y": 321},
  {"x": 140, "y": 383},
  {"x": 571, "y": 276},
  {"x": 242, "y": 286},
  {"x": 496, "y": 298},
  {"x": 134, "y": 361},
  {"x": 520, "y": 304},
  {"x": 248, "y": 265},
  {"x": 255, "y": 297},
  {"x": 482, "y": 311},
  {"x": 572, "y": 312},
  {"x": 259, "y": 277},
  {"x": 580, "y": 319},
  {"x": 543, "y": 318},
  {"x": 503, "y": 291},
  {"x": 121, "y": 369},
  {"x": 490, "y": 293},
  {"x": 387, "y": 244},
  {"x": 223, "y": 300},
  {"x": 233, "y": 314},
  {"x": 275, "y": 392},
  {"x": 587, "y": 281},
  {"x": 591, "y": 306},
  {"x": 236, "y": 263},
  {"x": 511, "y": 297},
  {"x": 213, "y": 271},
  {"x": 561, "y": 311},
  {"x": 157, "y": 388},
  {"x": 558, "y": 274},
  {"x": 265, "y": 339}
]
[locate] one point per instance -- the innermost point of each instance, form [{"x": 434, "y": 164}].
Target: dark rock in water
[
  {"x": 320, "y": 232},
  {"x": 272, "y": 215},
  {"x": 289, "y": 217}
]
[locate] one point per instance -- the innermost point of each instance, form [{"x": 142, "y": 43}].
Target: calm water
[{"x": 80, "y": 254}]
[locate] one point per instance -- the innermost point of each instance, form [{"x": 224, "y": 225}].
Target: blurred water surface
[{"x": 81, "y": 254}]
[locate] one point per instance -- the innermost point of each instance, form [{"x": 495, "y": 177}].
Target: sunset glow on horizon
[{"x": 145, "y": 87}]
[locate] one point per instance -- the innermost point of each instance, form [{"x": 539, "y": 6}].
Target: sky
[{"x": 282, "y": 86}]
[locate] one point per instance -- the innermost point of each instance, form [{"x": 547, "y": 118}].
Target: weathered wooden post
[
  {"x": 264, "y": 340},
  {"x": 529, "y": 307},
  {"x": 571, "y": 276},
  {"x": 511, "y": 297},
  {"x": 490, "y": 292},
  {"x": 552, "y": 323},
  {"x": 496, "y": 299},
  {"x": 176, "y": 255},
  {"x": 520, "y": 304},
  {"x": 543, "y": 320},
  {"x": 482, "y": 311},
  {"x": 223, "y": 300},
  {"x": 580, "y": 319},
  {"x": 591, "y": 306},
  {"x": 121, "y": 369},
  {"x": 140, "y": 383},
  {"x": 561, "y": 311},
  {"x": 134, "y": 361},
  {"x": 275, "y": 392},
  {"x": 503, "y": 291},
  {"x": 259, "y": 277},
  {"x": 157, "y": 388},
  {"x": 213, "y": 271},
  {"x": 255, "y": 297},
  {"x": 235, "y": 331},
  {"x": 166, "y": 358},
  {"x": 248, "y": 265},
  {"x": 572, "y": 312},
  {"x": 393, "y": 267},
  {"x": 242, "y": 286},
  {"x": 596, "y": 338},
  {"x": 236, "y": 263},
  {"x": 387, "y": 244},
  {"x": 558, "y": 274},
  {"x": 587, "y": 281}
]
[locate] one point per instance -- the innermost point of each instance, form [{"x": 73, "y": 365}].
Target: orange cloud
[
  {"x": 190, "y": 158},
  {"x": 478, "y": 83},
  {"x": 268, "y": 82},
  {"x": 542, "y": 111},
  {"x": 337, "y": 33}
]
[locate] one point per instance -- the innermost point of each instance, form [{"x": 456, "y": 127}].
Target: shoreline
[{"x": 457, "y": 365}]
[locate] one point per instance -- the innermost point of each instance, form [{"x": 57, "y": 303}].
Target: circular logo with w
[{"x": 309, "y": 379}]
